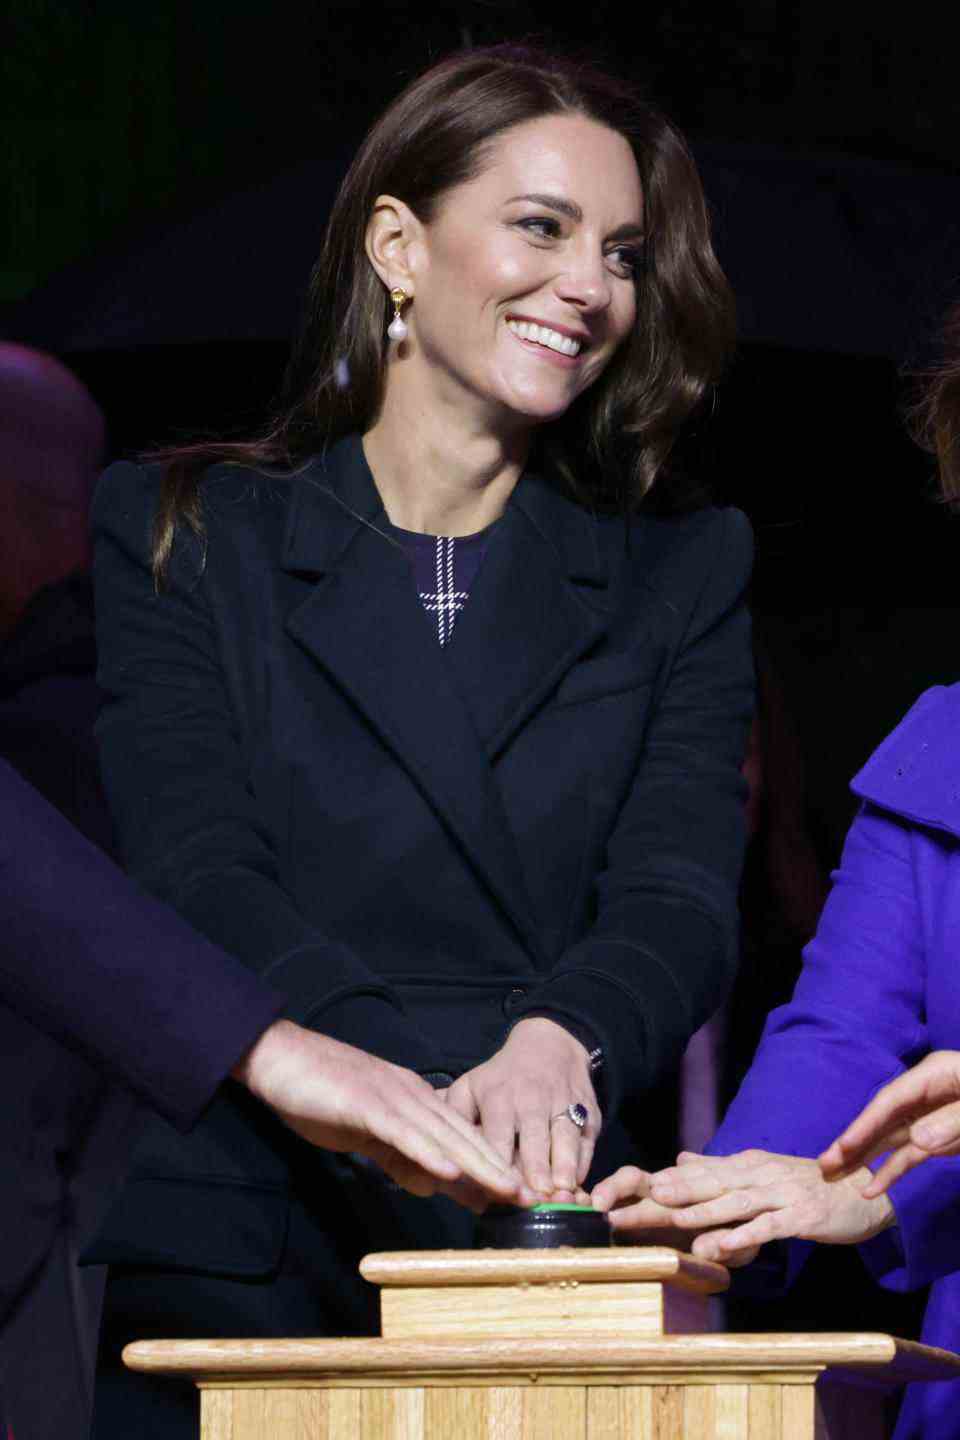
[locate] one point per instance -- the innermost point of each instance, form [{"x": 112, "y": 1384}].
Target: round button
[{"x": 513, "y": 999}]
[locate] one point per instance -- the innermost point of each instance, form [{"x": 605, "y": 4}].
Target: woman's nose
[{"x": 586, "y": 281}]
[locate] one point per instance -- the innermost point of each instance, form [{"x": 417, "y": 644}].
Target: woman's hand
[
  {"x": 519, "y": 1098},
  {"x": 737, "y": 1203},
  {"x": 625, "y": 1197},
  {"x": 743, "y": 1201},
  {"x": 916, "y": 1117}
]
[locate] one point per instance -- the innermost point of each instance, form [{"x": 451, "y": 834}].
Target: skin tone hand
[
  {"x": 343, "y": 1099},
  {"x": 916, "y": 1117},
  {"x": 514, "y": 1095},
  {"x": 735, "y": 1204}
]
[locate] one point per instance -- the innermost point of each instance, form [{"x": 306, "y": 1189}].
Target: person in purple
[{"x": 880, "y": 990}]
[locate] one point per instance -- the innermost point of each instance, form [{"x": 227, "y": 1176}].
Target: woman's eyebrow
[
  {"x": 553, "y": 202},
  {"x": 631, "y": 230}
]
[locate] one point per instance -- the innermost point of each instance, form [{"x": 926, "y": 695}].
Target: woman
[
  {"x": 877, "y": 992},
  {"x": 493, "y": 831}
]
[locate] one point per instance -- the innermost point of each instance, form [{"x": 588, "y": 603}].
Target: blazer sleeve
[
  {"x": 107, "y": 970},
  {"x": 663, "y": 949},
  {"x": 856, "y": 1020},
  {"x": 178, "y": 787}
]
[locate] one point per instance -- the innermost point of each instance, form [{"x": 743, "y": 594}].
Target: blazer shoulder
[
  {"x": 708, "y": 552},
  {"x": 914, "y": 772},
  {"x": 127, "y": 499}
]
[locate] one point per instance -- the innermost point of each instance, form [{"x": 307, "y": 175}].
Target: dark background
[{"x": 164, "y": 180}]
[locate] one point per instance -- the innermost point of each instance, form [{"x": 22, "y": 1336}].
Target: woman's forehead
[{"x": 570, "y": 157}]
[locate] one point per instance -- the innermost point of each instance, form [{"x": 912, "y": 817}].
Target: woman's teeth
[{"x": 541, "y": 335}]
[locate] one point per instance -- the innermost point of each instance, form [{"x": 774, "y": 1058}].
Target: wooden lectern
[{"x": 562, "y": 1344}]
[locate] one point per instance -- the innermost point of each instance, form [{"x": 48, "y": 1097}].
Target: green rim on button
[{"x": 578, "y": 1209}]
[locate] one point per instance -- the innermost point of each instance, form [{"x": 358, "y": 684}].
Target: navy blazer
[{"x": 419, "y": 845}]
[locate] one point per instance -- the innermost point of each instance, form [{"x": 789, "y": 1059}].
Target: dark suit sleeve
[
  {"x": 177, "y": 781},
  {"x": 663, "y": 950},
  {"x": 92, "y": 961}
]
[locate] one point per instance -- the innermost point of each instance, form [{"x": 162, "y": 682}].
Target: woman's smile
[{"x": 560, "y": 347}]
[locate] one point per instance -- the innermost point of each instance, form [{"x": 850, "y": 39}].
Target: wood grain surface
[
  {"x": 552, "y": 1308},
  {"x": 319, "y": 1360},
  {"x": 513, "y": 1267}
]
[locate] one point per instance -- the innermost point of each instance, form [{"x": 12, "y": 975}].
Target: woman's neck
[{"x": 441, "y": 475}]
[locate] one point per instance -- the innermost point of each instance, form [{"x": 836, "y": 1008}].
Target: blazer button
[{"x": 513, "y": 999}]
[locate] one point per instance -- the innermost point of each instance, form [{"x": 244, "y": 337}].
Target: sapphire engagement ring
[{"x": 576, "y": 1112}]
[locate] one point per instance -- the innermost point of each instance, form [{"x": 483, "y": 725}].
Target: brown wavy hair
[
  {"x": 935, "y": 415},
  {"x": 616, "y": 438}
]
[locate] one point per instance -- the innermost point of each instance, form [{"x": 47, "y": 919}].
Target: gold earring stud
[{"x": 398, "y": 328}]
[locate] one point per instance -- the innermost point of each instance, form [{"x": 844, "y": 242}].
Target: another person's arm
[
  {"x": 857, "y": 1018},
  {"x": 104, "y": 968}
]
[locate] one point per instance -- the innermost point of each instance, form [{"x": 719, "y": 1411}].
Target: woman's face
[{"x": 524, "y": 280}]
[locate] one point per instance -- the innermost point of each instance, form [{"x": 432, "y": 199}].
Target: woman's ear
[{"x": 390, "y": 242}]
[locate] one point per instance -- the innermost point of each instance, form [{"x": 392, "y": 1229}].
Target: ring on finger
[{"x": 575, "y": 1112}]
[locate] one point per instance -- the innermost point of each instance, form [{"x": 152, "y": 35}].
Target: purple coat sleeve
[
  {"x": 856, "y": 1020},
  {"x": 91, "y": 960}
]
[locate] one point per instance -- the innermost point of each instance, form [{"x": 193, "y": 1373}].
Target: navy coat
[{"x": 419, "y": 845}]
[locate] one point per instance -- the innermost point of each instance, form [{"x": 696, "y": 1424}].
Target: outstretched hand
[
  {"x": 340, "y": 1098},
  {"x": 519, "y": 1097},
  {"x": 916, "y": 1117},
  {"x": 732, "y": 1205}
]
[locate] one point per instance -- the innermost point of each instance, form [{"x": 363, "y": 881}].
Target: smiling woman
[{"x": 412, "y": 706}]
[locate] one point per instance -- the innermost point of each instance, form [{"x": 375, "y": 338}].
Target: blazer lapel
[
  {"x": 364, "y": 624},
  {"x": 540, "y": 602}
]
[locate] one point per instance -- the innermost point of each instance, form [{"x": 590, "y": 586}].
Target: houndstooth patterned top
[{"x": 444, "y": 569}]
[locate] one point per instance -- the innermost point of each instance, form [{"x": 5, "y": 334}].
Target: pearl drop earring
[{"x": 398, "y": 328}]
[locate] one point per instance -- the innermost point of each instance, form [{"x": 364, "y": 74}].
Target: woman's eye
[
  {"x": 543, "y": 225},
  {"x": 628, "y": 259}
]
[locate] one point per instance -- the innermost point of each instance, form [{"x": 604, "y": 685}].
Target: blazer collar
[
  {"x": 537, "y": 605},
  {"x": 332, "y": 497},
  {"x": 914, "y": 773}
]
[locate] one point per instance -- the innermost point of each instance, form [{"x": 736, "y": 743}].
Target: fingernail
[{"x": 928, "y": 1134}]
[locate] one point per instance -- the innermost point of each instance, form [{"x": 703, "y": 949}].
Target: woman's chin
[{"x": 537, "y": 407}]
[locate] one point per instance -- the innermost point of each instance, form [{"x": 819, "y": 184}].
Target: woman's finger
[
  {"x": 460, "y": 1098},
  {"x": 728, "y": 1209},
  {"x": 627, "y": 1183},
  {"x": 934, "y": 1082},
  {"x": 724, "y": 1244},
  {"x": 533, "y": 1143},
  {"x": 498, "y": 1121},
  {"x": 939, "y": 1131},
  {"x": 721, "y": 1247},
  {"x": 675, "y": 1187},
  {"x": 564, "y": 1153},
  {"x": 642, "y": 1215},
  {"x": 587, "y": 1146}
]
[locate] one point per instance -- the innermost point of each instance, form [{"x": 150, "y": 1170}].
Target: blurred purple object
[{"x": 52, "y": 442}]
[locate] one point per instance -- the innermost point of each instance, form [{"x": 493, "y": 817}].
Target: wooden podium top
[
  {"x": 595, "y": 1358},
  {"x": 647, "y": 1264}
]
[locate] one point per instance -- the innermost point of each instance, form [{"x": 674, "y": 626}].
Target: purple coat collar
[{"x": 915, "y": 773}]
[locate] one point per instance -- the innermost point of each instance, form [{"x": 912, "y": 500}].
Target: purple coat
[{"x": 880, "y": 988}]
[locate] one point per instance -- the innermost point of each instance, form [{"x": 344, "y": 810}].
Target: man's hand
[
  {"x": 735, "y": 1204},
  {"x": 916, "y": 1117},
  {"x": 340, "y": 1098},
  {"x": 520, "y": 1097}
]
